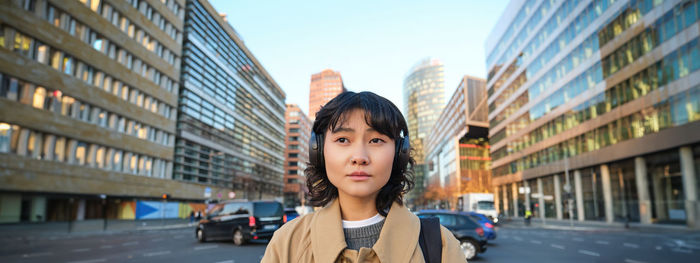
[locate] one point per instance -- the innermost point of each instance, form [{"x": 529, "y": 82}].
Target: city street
[
  {"x": 515, "y": 243},
  {"x": 177, "y": 245}
]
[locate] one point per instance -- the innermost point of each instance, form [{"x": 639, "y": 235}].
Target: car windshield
[
  {"x": 485, "y": 205},
  {"x": 268, "y": 209}
]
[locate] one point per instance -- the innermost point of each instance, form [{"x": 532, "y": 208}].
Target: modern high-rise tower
[
  {"x": 423, "y": 100},
  {"x": 325, "y": 85}
]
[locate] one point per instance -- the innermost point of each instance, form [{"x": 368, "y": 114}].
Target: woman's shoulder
[
  {"x": 294, "y": 229},
  {"x": 290, "y": 241}
]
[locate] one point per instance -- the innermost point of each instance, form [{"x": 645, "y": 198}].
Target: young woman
[{"x": 358, "y": 172}]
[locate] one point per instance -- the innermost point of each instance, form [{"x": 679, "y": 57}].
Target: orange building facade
[
  {"x": 296, "y": 154},
  {"x": 325, "y": 85}
]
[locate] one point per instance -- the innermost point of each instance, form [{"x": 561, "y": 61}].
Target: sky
[{"x": 373, "y": 44}]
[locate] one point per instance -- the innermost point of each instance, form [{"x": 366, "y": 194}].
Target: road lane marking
[
  {"x": 680, "y": 250},
  {"x": 205, "y": 247},
  {"x": 157, "y": 239},
  {"x": 557, "y": 246},
  {"x": 632, "y": 245},
  {"x": 518, "y": 238},
  {"x": 590, "y": 253},
  {"x": 577, "y": 239},
  {"x": 106, "y": 246},
  {"x": 658, "y": 247},
  {"x": 81, "y": 250},
  {"x": 627, "y": 260},
  {"x": 227, "y": 261},
  {"x": 90, "y": 260},
  {"x": 130, "y": 243},
  {"x": 535, "y": 241},
  {"x": 159, "y": 253},
  {"x": 37, "y": 254},
  {"x": 179, "y": 236},
  {"x": 602, "y": 242}
]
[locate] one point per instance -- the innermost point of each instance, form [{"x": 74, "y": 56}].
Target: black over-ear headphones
[{"x": 401, "y": 156}]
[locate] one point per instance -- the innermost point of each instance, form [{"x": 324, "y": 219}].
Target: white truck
[{"x": 481, "y": 203}]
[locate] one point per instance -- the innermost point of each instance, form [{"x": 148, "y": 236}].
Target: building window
[
  {"x": 292, "y": 171},
  {"x": 81, "y": 153},
  {"x": 5, "y": 135},
  {"x": 293, "y": 163},
  {"x": 60, "y": 149},
  {"x": 293, "y": 155}
]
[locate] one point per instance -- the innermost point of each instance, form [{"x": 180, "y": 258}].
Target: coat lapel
[
  {"x": 399, "y": 236},
  {"x": 327, "y": 237}
]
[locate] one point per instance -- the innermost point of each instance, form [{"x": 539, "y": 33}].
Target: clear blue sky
[{"x": 372, "y": 43}]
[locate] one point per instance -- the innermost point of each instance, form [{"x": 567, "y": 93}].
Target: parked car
[
  {"x": 290, "y": 213},
  {"x": 485, "y": 222},
  {"x": 241, "y": 221},
  {"x": 469, "y": 233}
]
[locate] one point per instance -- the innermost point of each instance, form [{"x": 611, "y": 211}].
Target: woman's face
[{"x": 358, "y": 158}]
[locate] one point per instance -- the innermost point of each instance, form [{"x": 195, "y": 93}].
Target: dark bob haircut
[{"x": 383, "y": 116}]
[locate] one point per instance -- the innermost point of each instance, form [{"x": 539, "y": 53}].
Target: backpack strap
[{"x": 430, "y": 239}]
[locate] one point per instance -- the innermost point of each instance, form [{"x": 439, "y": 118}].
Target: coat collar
[
  {"x": 399, "y": 233},
  {"x": 327, "y": 237}
]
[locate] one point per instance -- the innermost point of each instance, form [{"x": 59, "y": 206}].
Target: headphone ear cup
[
  {"x": 403, "y": 153},
  {"x": 316, "y": 149}
]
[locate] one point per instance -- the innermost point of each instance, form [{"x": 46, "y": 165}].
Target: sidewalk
[
  {"x": 594, "y": 226},
  {"x": 87, "y": 227}
]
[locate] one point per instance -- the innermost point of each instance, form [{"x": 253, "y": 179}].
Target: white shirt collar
[{"x": 365, "y": 222}]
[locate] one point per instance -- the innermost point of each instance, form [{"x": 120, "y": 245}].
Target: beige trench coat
[{"x": 318, "y": 237}]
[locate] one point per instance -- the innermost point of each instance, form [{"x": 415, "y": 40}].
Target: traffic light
[{"x": 166, "y": 196}]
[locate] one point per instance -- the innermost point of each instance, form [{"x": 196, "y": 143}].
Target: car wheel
[
  {"x": 468, "y": 248},
  {"x": 238, "y": 238},
  {"x": 200, "y": 236}
]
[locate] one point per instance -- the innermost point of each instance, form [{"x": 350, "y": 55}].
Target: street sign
[
  {"x": 567, "y": 188},
  {"x": 207, "y": 192},
  {"x": 231, "y": 195}
]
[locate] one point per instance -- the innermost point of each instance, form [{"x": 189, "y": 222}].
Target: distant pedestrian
[
  {"x": 528, "y": 217},
  {"x": 360, "y": 168},
  {"x": 192, "y": 217}
]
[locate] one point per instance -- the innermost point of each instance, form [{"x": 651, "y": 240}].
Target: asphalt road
[
  {"x": 515, "y": 243},
  {"x": 177, "y": 245},
  {"x": 535, "y": 244}
]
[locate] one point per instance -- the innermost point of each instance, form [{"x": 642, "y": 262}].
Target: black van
[{"x": 241, "y": 221}]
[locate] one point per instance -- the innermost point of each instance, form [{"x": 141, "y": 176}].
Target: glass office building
[
  {"x": 230, "y": 125},
  {"x": 596, "y": 102},
  {"x": 423, "y": 100}
]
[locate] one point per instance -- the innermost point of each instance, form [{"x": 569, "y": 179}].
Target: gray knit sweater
[{"x": 364, "y": 236}]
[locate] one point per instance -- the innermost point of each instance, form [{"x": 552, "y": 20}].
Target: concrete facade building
[
  {"x": 457, "y": 154},
  {"x": 324, "y": 86},
  {"x": 296, "y": 155},
  {"x": 88, "y": 98},
  {"x": 230, "y": 127},
  {"x": 596, "y": 102}
]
